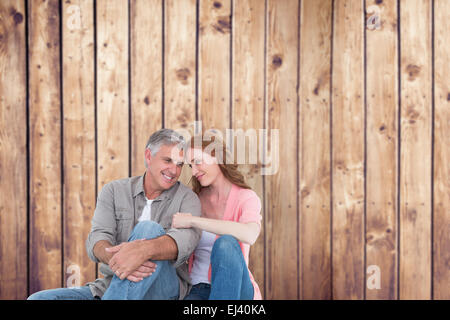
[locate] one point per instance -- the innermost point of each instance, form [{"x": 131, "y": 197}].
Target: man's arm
[
  {"x": 100, "y": 253},
  {"x": 103, "y": 224},
  {"x": 162, "y": 248}
]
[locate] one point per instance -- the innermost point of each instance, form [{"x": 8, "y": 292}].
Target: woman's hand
[{"x": 182, "y": 220}]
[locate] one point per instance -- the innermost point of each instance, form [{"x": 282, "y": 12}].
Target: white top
[
  {"x": 147, "y": 211},
  {"x": 200, "y": 267}
]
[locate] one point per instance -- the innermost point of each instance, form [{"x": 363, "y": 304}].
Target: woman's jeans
[
  {"x": 230, "y": 279},
  {"x": 163, "y": 284}
]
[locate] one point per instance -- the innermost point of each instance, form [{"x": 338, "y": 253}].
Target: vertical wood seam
[
  {"x": 130, "y": 146},
  {"x": 95, "y": 109},
  {"x": 399, "y": 117},
  {"x": 432, "y": 145},
  {"x": 163, "y": 67},
  {"x": 61, "y": 136},
  {"x": 297, "y": 151},
  {"x": 365, "y": 149},
  {"x": 331, "y": 148},
  {"x": 27, "y": 107}
]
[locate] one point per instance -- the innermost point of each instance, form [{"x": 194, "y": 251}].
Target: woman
[{"x": 231, "y": 222}]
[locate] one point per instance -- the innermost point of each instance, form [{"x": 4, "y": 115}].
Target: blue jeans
[
  {"x": 230, "y": 279},
  {"x": 80, "y": 293},
  {"x": 163, "y": 284}
]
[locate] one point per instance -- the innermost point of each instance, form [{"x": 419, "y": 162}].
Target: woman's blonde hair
[{"x": 229, "y": 170}]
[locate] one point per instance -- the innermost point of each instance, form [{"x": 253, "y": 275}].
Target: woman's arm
[{"x": 244, "y": 232}]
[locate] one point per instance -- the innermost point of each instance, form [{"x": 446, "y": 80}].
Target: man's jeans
[
  {"x": 163, "y": 284},
  {"x": 230, "y": 278}
]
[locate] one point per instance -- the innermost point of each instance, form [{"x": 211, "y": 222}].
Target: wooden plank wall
[{"x": 356, "y": 91}]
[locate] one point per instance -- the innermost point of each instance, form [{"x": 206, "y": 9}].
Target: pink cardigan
[{"x": 243, "y": 205}]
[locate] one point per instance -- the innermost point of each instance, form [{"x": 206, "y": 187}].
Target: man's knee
[{"x": 147, "y": 230}]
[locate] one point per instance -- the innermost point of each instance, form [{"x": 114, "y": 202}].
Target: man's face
[{"x": 164, "y": 167}]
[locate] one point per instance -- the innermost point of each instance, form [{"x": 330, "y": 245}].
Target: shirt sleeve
[
  {"x": 251, "y": 209},
  {"x": 103, "y": 222},
  {"x": 186, "y": 239}
]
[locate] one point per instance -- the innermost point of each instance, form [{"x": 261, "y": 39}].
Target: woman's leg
[
  {"x": 199, "y": 291},
  {"x": 163, "y": 284},
  {"x": 230, "y": 279}
]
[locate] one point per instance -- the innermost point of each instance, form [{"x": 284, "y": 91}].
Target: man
[{"x": 141, "y": 256}]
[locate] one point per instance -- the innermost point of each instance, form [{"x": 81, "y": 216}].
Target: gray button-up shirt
[{"x": 119, "y": 206}]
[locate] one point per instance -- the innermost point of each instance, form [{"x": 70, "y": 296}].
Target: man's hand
[{"x": 128, "y": 261}]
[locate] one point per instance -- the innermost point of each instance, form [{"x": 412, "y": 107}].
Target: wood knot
[
  {"x": 146, "y": 100},
  {"x": 223, "y": 25},
  {"x": 217, "y": 4},
  {"x": 411, "y": 214},
  {"x": 277, "y": 61},
  {"x": 412, "y": 71},
  {"x": 18, "y": 18},
  {"x": 183, "y": 75}
]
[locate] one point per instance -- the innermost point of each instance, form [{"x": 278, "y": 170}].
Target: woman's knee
[
  {"x": 225, "y": 246},
  {"x": 147, "y": 230}
]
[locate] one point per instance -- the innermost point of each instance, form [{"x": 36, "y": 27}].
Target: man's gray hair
[{"x": 163, "y": 137}]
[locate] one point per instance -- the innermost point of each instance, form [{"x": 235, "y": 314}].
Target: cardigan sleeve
[{"x": 250, "y": 208}]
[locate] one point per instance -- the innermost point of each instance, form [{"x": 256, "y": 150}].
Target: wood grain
[
  {"x": 248, "y": 31},
  {"x": 45, "y": 146},
  {"x": 112, "y": 91},
  {"x": 214, "y": 64},
  {"x": 78, "y": 138},
  {"x": 281, "y": 114},
  {"x": 348, "y": 151},
  {"x": 382, "y": 148},
  {"x": 13, "y": 151},
  {"x": 314, "y": 149},
  {"x": 180, "y": 68},
  {"x": 441, "y": 219},
  {"x": 415, "y": 150},
  {"x": 146, "y": 77}
]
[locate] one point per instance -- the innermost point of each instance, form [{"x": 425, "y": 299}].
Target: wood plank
[
  {"x": 415, "y": 156},
  {"x": 248, "y": 32},
  {"x": 13, "y": 151},
  {"x": 78, "y": 138},
  {"x": 281, "y": 187},
  {"x": 314, "y": 149},
  {"x": 180, "y": 68},
  {"x": 112, "y": 91},
  {"x": 146, "y": 77},
  {"x": 45, "y": 146},
  {"x": 348, "y": 151},
  {"x": 441, "y": 222},
  {"x": 382, "y": 146},
  {"x": 214, "y": 64}
]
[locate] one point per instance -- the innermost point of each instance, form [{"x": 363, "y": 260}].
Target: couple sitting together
[{"x": 156, "y": 238}]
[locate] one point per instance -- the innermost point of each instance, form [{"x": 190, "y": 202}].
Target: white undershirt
[
  {"x": 200, "y": 267},
  {"x": 147, "y": 211}
]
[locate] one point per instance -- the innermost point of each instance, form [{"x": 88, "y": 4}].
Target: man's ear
[{"x": 148, "y": 156}]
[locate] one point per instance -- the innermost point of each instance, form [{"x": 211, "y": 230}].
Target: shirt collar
[{"x": 139, "y": 188}]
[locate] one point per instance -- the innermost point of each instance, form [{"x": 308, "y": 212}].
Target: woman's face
[{"x": 204, "y": 166}]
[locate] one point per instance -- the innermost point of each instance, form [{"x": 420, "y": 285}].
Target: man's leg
[
  {"x": 79, "y": 293},
  {"x": 163, "y": 284},
  {"x": 230, "y": 279}
]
